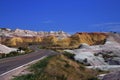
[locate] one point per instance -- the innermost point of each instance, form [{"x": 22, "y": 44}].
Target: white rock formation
[
  {"x": 5, "y": 49},
  {"x": 87, "y": 52},
  {"x": 27, "y": 33}
]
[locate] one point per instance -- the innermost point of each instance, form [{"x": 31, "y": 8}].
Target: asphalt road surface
[{"x": 7, "y": 64}]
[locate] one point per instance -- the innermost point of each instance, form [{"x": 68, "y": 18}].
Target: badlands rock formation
[
  {"x": 90, "y": 38},
  {"x": 104, "y": 57},
  {"x": 97, "y": 55},
  {"x": 27, "y": 33},
  {"x": 16, "y": 37},
  {"x": 5, "y": 49},
  {"x": 112, "y": 76}
]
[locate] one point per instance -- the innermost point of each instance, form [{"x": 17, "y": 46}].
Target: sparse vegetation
[
  {"x": 42, "y": 47},
  {"x": 11, "y": 54},
  {"x": 25, "y": 77},
  {"x": 25, "y": 49},
  {"x": 59, "y": 67},
  {"x": 69, "y": 55},
  {"x": 93, "y": 78},
  {"x": 16, "y": 53}
]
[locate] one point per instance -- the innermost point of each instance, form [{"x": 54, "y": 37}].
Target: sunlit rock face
[
  {"x": 90, "y": 38},
  {"x": 20, "y": 36},
  {"x": 15, "y": 37}
]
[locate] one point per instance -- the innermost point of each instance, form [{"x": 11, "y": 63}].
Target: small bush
[
  {"x": 93, "y": 78},
  {"x": 67, "y": 65},
  {"x": 42, "y": 47},
  {"x": 82, "y": 67},
  {"x": 69, "y": 55},
  {"x": 3, "y": 55}
]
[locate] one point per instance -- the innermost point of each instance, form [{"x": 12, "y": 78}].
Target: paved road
[{"x": 14, "y": 62}]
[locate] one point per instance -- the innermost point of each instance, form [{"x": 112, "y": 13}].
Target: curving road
[{"x": 7, "y": 64}]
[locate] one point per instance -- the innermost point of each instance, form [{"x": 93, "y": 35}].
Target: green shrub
[
  {"x": 38, "y": 67},
  {"x": 67, "y": 65},
  {"x": 42, "y": 47},
  {"x": 25, "y": 77},
  {"x": 93, "y": 78},
  {"x": 69, "y": 55}
]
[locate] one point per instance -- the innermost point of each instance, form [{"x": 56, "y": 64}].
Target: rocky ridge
[
  {"x": 5, "y": 32},
  {"x": 16, "y": 37}
]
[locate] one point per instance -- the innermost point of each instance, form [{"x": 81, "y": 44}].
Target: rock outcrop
[
  {"x": 112, "y": 76},
  {"x": 15, "y": 37},
  {"x": 5, "y": 49},
  {"x": 27, "y": 33},
  {"x": 90, "y": 38},
  {"x": 19, "y": 37}
]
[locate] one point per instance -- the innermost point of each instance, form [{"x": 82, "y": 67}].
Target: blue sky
[{"x": 67, "y": 15}]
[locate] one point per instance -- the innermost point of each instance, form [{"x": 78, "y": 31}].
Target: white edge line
[{"x": 23, "y": 65}]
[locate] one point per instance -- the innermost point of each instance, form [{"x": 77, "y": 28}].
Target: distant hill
[
  {"x": 20, "y": 37},
  {"x": 5, "y": 32}
]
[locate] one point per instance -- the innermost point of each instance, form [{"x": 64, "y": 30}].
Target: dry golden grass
[
  {"x": 62, "y": 68},
  {"x": 59, "y": 67}
]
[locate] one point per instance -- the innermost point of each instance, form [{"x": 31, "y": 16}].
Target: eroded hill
[
  {"x": 50, "y": 39},
  {"x": 89, "y": 38}
]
